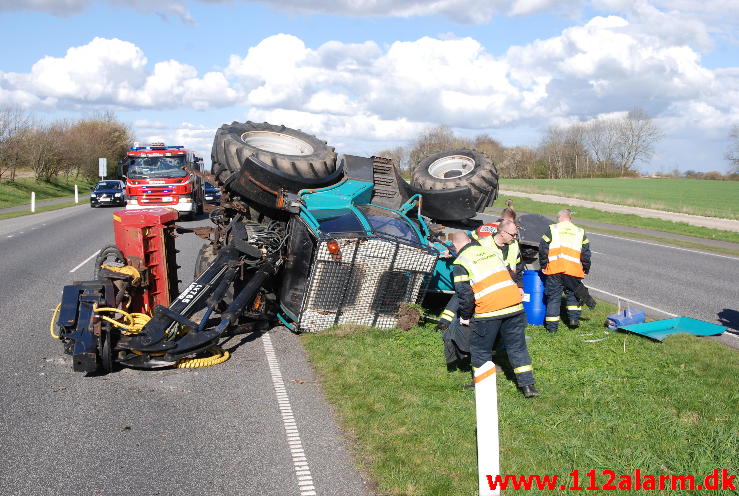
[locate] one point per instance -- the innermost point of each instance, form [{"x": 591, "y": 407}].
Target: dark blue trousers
[
  {"x": 553, "y": 289},
  {"x": 511, "y": 329}
]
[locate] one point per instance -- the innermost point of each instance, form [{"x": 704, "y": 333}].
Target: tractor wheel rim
[
  {"x": 272, "y": 142},
  {"x": 451, "y": 167}
]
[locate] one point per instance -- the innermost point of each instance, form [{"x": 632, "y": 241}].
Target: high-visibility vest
[
  {"x": 514, "y": 251},
  {"x": 564, "y": 250},
  {"x": 495, "y": 292}
]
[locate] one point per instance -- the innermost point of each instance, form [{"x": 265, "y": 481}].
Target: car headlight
[
  {"x": 118, "y": 195},
  {"x": 92, "y": 195}
]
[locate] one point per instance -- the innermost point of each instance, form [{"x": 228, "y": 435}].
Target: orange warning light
[{"x": 333, "y": 247}]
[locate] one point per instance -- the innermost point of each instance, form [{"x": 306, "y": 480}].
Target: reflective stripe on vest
[
  {"x": 491, "y": 283},
  {"x": 514, "y": 251},
  {"x": 564, "y": 250}
]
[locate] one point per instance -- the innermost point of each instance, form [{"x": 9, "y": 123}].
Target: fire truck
[{"x": 158, "y": 175}]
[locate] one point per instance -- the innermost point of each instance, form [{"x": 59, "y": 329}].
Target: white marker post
[
  {"x": 102, "y": 167},
  {"x": 76, "y": 194},
  {"x": 33, "y": 201},
  {"x": 488, "y": 449}
]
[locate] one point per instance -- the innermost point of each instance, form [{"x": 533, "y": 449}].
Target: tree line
[
  {"x": 606, "y": 147},
  {"x": 59, "y": 147}
]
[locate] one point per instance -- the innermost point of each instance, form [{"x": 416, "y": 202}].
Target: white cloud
[
  {"x": 378, "y": 93},
  {"x": 194, "y": 136},
  {"x": 463, "y": 11},
  {"x": 66, "y": 8},
  {"x": 113, "y": 72},
  {"x": 61, "y": 8},
  {"x": 527, "y": 7}
]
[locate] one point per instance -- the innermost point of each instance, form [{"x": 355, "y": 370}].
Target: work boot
[
  {"x": 529, "y": 391},
  {"x": 574, "y": 324}
]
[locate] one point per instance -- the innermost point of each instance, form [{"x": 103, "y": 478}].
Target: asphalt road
[
  {"x": 216, "y": 430},
  {"x": 665, "y": 281}
]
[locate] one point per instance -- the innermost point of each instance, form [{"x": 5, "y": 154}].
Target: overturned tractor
[{"x": 303, "y": 238}]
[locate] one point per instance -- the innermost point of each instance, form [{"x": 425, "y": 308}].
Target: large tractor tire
[
  {"x": 457, "y": 169},
  {"x": 255, "y": 160}
]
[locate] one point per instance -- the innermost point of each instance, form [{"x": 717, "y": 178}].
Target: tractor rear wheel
[
  {"x": 457, "y": 169},
  {"x": 288, "y": 156}
]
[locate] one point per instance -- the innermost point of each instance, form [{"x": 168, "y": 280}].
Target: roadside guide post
[
  {"x": 102, "y": 167},
  {"x": 486, "y": 406},
  {"x": 33, "y": 201},
  {"x": 76, "y": 194}
]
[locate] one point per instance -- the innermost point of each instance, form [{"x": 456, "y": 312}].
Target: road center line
[
  {"x": 300, "y": 463},
  {"x": 85, "y": 261},
  {"x": 664, "y": 246},
  {"x": 633, "y": 301}
]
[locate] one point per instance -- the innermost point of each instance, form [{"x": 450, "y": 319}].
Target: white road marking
[
  {"x": 300, "y": 463},
  {"x": 633, "y": 301},
  {"x": 664, "y": 246},
  {"x": 10, "y": 236},
  {"x": 85, "y": 261}
]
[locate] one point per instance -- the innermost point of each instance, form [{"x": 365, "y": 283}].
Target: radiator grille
[{"x": 365, "y": 284}]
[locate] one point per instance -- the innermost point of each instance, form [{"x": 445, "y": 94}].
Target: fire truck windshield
[{"x": 148, "y": 167}]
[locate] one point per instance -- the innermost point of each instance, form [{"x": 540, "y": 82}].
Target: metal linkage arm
[{"x": 157, "y": 335}]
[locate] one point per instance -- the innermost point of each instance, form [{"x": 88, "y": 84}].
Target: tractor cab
[{"x": 351, "y": 261}]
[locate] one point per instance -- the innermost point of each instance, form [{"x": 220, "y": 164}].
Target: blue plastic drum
[{"x": 533, "y": 288}]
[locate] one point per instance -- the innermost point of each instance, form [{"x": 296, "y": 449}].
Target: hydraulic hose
[
  {"x": 219, "y": 356},
  {"x": 134, "y": 321},
  {"x": 53, "y": 319}
]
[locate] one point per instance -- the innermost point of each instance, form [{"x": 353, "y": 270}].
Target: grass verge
[
  {"x": 18, "y": 192},
  {"x": 535, "y": 207},
  {"x": 620, "y": 404}
]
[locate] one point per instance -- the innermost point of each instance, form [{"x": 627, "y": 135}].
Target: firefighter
[
  {"x": 490, "y": 303},
  {"x": 564, "y": 252},
  {"x": 511, "y": 254}
]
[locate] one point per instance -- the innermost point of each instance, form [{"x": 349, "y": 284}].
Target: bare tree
[
  {"x": 489, "y": 146},
  {"x": 398, "y": 155},
  {"x": 637, "y": 135},
  {"x": 13, "y": 122},
  {"x": 732, "y": 155},
  {"x": 563, "y": 151},
  {"x": 98, "y": 137},
  {"x": 600, "y": 137},
  {"x": 44, "y": 150},
  {"x": 435, "y": 140}
]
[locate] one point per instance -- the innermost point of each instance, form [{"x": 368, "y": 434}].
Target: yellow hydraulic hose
[
  {"x": 134, "y": 322},
  {"x": 53, "y": 319},
  {"x": 127, "y": 270},
  {"x": 219, "y": 356}
]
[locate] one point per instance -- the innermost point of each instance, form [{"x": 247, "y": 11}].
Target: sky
[{"x": 368, "y": 75}]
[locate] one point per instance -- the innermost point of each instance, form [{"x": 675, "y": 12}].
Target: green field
[
  {"x": 19, "y": 192},
  {"x": 690, "y": 196},
  {"x": 631, "y": 220},
  {"x": 621, "y": 403}
]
